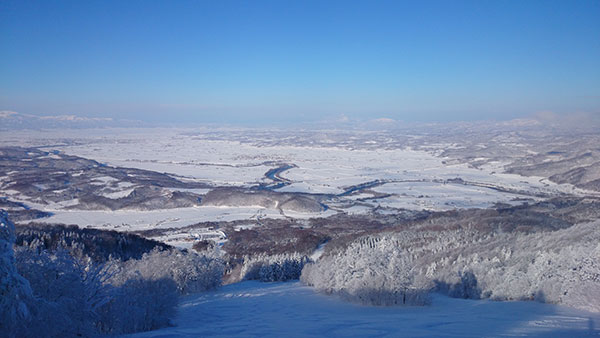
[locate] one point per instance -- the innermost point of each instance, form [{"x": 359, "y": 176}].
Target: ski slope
[{"x": 254, "y": 309}]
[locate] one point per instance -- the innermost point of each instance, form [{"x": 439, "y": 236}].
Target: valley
[{"x": 277, "y": 208}]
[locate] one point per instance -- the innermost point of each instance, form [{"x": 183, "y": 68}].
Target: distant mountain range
[
  {"x": 14, "y": 120},
  {"x": 565, "y": 123}
]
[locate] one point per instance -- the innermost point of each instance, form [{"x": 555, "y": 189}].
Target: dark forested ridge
[{"x": 99, "y": 245}]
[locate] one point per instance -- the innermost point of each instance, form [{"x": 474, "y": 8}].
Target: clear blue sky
[{"x": 288, "y": 61}]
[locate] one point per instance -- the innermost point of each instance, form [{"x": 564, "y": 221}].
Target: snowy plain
[
  {"x": 193, "y": 156},
  {"x": 255, "y": 309},
  {"x": 230, "y": 162}
]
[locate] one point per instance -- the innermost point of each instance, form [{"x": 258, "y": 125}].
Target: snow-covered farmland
[
  {"x": 134, "y": 220},
  {"x": 439, "y": 196},
  {"x": 326, "y": 170}
]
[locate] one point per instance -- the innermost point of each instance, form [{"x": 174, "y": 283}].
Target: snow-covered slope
[{"x": 253, "y": 309}]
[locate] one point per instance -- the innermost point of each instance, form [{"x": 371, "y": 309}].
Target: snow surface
[
  {"x": 318, "y": 169},
  {"x": 439, "y": 196},
  {"x": 413, "y": 179},
  {"x": 329, "y": 170},
  {"x": 254, "y": 309},
  {"x": 135, "y": 220},
  {"x": 318, "y": 252}
]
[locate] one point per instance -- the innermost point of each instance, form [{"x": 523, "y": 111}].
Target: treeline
[
  {"x": 402, "y": 267},
  {"x": 99, "y": 245},
  {"x": 273, "y": 268},
  {"x": 52, "y": 288}
]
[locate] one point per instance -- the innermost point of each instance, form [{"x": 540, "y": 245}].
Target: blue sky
[{"x": 299, "y": 61}]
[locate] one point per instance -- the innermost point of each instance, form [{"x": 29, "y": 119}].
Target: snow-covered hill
[{"x": 254, "y": 309}]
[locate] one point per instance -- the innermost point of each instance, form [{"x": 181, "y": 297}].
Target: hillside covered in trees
[{"x": 67, "y": 282}]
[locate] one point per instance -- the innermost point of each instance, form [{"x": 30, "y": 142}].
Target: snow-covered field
[
  {"x": 229, "y": 162},
  {"x": 409, "y": 179},
  {"x": 436, "y": 196},
  {"x": 319, "y": 170},
  {"x": 136, "y": 220},
  {"x": 254, "y": 309},
  {"x": 132, "y": 220}
]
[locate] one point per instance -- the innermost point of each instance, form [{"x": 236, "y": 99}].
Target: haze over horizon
[{"x": 296, "y": 62}]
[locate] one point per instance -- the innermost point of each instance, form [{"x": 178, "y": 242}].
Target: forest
[{"x": 68, "y": 282}]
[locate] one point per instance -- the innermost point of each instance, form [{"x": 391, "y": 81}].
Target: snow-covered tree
[
  {"x": 147, "y": 289},
  {"x": 138, "y": 305},
  {"x": 271, "y": 268},
  {"x": 15, "y": 292},
  {"x": 559, "y": 266},
  {"x": 190, "y": 271},
  {"x": 70, "y": 290},
  {"x": 55, "y": 291}
]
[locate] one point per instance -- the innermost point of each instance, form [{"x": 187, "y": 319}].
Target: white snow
[
  {"x": 328, "y": 170},
  {"x": 118, "y": 193},
  {"x": 254, "y": 309},
  {"x": 318, "y": 252},
  {"x": 245, "y": 226},
  {"x": 133, "y": 220},
  {"x": 439, "y": 196},
  {"x": 194, "y": 191},
  {"x": 318, "y": 169},
  {"x": 103, "y": 180},
  {"x": 187, "y": 240}
]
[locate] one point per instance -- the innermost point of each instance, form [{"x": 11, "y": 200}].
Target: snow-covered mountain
[{"x": 14, "y": 120}]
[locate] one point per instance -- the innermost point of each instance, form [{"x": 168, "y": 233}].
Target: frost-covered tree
[
  {"x": 138, "y": 305},
  {"x": 70, "y": 290},
  {"x": 371, "y": 270},
  {"x": 147, "y": 289},
  {"x": 96, "y": 244},
  {"x": 55, "y": 291},
  {"x": 190, "y": 271},
  {"x": 15, "y": 292},
  {"x": 271, "y": 268},
  {"x": 559, "y": 266}
]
